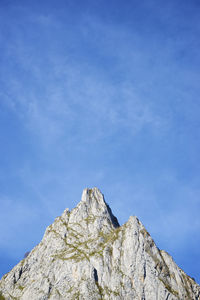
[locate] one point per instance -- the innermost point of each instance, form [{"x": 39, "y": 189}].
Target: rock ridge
[{"x": 85, "y": 254}]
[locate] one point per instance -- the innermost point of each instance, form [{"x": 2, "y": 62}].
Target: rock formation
[{"x": 85, "y": 254}]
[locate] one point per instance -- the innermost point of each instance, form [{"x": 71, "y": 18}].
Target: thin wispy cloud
[{"x": 96, "y": 104}]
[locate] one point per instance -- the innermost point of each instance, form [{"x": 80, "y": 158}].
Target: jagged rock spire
[
  {"x": 85, "y": 254},
  {"x": 93, "y": 204}
]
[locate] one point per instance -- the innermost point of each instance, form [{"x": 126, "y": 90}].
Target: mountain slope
[{"x": 85, "y": 254}]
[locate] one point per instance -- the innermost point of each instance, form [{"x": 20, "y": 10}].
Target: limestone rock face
[{"x": 85, "y": 254}]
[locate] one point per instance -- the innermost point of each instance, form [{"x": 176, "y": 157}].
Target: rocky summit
[{"x": 85, "y": 254}]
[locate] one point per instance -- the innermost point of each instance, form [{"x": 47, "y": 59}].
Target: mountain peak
[
  {"x": 94, "y": 205},
  {"x": 93, "y": 199},
  {"x": 91, "y": 193},
  {"x": 85, "y": 254}
]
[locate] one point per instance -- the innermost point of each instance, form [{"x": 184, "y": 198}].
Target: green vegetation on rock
[{"x": 1, "y": 296}]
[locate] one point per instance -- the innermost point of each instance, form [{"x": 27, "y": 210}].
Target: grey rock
[{"x": 85, "y": 255}]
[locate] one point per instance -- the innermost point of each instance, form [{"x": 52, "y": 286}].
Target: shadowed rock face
[{"x": 85, "y": 254}]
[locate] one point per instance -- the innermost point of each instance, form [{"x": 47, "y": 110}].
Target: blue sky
[{"x": 100, "y": 93}]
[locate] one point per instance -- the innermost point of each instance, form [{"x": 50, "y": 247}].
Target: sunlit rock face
[{"x": 85, "y": 254}]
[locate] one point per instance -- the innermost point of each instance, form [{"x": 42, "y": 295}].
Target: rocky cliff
[{"x": 85, "y": 254}]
